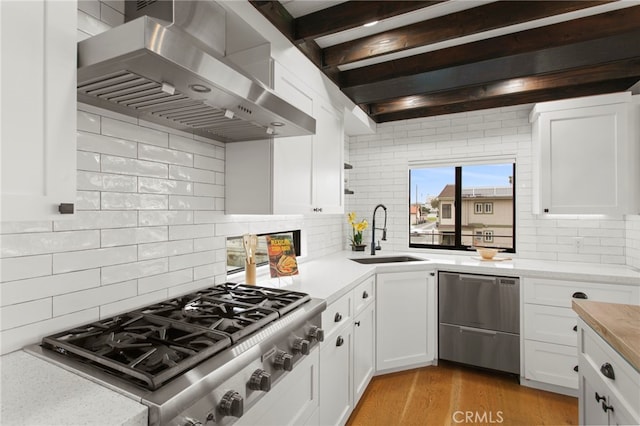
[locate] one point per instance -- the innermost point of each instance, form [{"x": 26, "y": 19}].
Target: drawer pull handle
[
  {"x": 606, "y": 407},
  {"x": 338, "y": 317},
  {"x": 357, "y": 323},
  {"x": 340, "y": 341},
  {"x": 575, "y": 328},
  {"x": 365, "y": 295},
  {"x": 579, "y": 295},
  {"x": 600, "y": 398},
  {"x": 575, "y": 368},
  {"x": 607, "y": 371}
]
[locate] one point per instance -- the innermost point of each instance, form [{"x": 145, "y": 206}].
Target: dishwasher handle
[
  {"x": 477, "y": 330},
  {"x": 471, "y": 277}
]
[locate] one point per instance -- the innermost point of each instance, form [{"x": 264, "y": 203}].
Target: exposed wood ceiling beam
[
  {"x": 512, "y": 99},
  {"x": 459, "y": 24},
  {"x": 588, "y": 28},
  {"x": 556, "y": 59},
  {"x": 353, "y": 14},
  {"x": 621, "y": 70}
]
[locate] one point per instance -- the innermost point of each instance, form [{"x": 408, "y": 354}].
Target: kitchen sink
[{"x": 388, "y": 259}]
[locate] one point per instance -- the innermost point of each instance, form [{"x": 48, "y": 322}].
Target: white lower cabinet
[
  {"x": 364, "y": 350},
  {"x": 405, "y": 301},
  {"x": 335, "y": 384},
  {"x": 609, "y": 385},
  {"x": 295, "y": 399},
  {"x": 347, "y": 355},
  {"x": 550, "y": 328}
]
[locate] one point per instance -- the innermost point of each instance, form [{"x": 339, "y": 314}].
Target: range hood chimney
[{"x": 166, "y": 65}]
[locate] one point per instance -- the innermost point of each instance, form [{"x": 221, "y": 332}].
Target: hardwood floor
[{"x": 453, "y": 395}]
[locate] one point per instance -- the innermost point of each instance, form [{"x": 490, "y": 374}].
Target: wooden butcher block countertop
[{"x": 617, "y": 324}]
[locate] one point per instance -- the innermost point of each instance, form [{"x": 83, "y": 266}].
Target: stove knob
[
  {"x": 316, "y": 333},
  {"x": 231, "y": 404},
  {"x": 260, "y": 381},
  {"x": 283, "y": 361},
  {"x": 191, "y": 422},
  {"x": 301, "y": 345}
]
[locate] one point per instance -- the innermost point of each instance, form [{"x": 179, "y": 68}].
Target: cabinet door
[
  {"x": 364, "y": 347},
  {"x": 583, "y": 157},
  {"x": 328, "y": 165},
  {"x": 38, "y": 139},
  {"x": 292, "y": 175},
  {"x": 549, "y": 363},
  {"x": 404, "y": 307},
  {"x": 590, "y": 404},
  {"x": 335, "y": 379}
]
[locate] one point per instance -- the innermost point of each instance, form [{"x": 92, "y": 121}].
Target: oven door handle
[{"x": 477, "y": 330}]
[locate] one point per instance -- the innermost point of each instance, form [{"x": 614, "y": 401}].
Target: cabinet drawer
[
  {"x": 550, "y": 363},
  {"x": 336, "y": 314},
  {"x": 559, "y": 292},
  {"x": 551, "y": 324},
  {"x": 596, "y": 353},
  {"x": 363, "y": 294}
]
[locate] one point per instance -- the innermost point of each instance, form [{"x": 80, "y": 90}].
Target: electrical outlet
[{"x": 577, "y": 242}]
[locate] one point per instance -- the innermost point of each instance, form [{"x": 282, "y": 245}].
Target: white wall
[{"x": 380, "y": 175}]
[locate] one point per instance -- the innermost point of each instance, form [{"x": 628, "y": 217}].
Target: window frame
[
  {"x": 457, "y": 234},
  {"x": 296, "y": 235}
]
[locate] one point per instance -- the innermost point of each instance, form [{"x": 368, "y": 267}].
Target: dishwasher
[{"x": 479, "y": 320}]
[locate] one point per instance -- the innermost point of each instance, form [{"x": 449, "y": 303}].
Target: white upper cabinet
[
  {"x": 38, "y": 92},
  {"x": 294, "y": 175},
  {"x": 586, "y": 155}
]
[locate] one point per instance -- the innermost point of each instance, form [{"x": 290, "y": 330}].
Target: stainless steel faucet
[{"x": 375, "y": 247}]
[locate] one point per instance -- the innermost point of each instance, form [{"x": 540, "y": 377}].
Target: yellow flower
[
  {"x": 351, "y": 217},
  {"x": 361, "y": 226}
]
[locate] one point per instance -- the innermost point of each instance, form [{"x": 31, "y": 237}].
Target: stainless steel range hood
[{"x": 166, "y": 73}]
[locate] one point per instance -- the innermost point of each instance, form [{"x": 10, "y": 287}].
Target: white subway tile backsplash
[
  {"x": 110, "y": 309},
  {"x": 94, "y": 181},
  {"x": 189, "y": 260},
  {"x": 207, "y": 216},
  {"x": 88, "y": 122},
  {"x": 81, "y": 260},
  {"x": 164, "y": 186},
  {"x": 124, "y": 237},
  {"x": 183, "y": 232},
  {"x": 207, "y": 190},
  {"x": 81, "y": 300},
  {"x": 91, "y": 7},
  {"x": 164, "y": 249},
  {"x": 209, "y": 163},
  {"x": 185, "y": 202},
  {"x": 25, "y": 227},
  {"x": 163, "y": 155},
  {"x": 16, "y": 338},
  {"x": 204, "y": 271},
  {"x": 164, "y": 281},
  {"x": 13, "y": 245},
  {"x": 179, "y": 290},
  {"x": 209, "y": 243},
  {"x": 36, "y": 288},
  {"x": 18, "y": 268},
  {"x": 90, "y": 25},
  {"x": 106, "y": 145},
  {"x": 191, "y": 174},
  {"x": 98, "y": 220},
  {"x": 12, "y": 316},
  {"x": 129, "y": 271},
  {"x": 128, "y": 166},
  {"x": 126, "y": 201},
  {"x": 89, "y": 161},
  {"x": 190, "y": 145},
  {"x": 133, "y": 132},
  {"x": 152, "y": 218},
  {"x": 87, "y": 200},
  {"x": 110, "y": 15}
]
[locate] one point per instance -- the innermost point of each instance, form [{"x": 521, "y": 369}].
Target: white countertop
[{"x": 36, "y": 392}]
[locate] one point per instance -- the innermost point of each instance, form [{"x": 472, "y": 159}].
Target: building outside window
[{"x": 472, "y": 204}]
